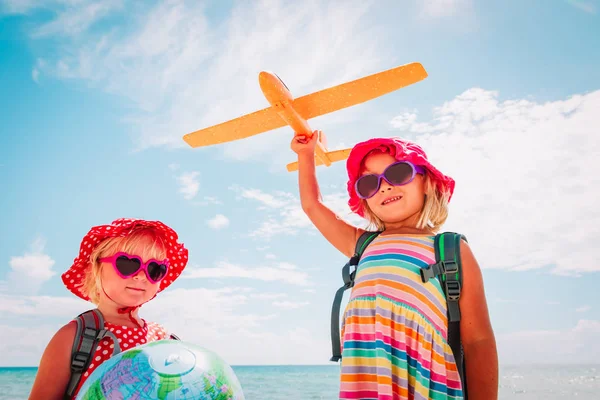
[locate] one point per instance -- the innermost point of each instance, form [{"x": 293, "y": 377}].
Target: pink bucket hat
[
  {"x": 399, "y": 149},
  {"x": 176, "y": 252}
]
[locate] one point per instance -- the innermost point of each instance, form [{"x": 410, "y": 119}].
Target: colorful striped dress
[{"x": 394, "y": 332}]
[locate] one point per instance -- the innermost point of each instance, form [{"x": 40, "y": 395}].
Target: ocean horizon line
[{"x": 573, "y": 364}]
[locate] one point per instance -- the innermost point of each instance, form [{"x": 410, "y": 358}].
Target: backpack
[
  {"x": 447, "y": 268},
  {"x": 90, "y": 330}
]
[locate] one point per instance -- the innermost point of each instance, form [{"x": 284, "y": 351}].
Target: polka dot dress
[{"x": 128, "y": 338}]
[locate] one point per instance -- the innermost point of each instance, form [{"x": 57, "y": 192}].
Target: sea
[{"x": 549, "y": 382}]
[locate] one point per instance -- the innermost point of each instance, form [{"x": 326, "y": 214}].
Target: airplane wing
[
  {"x": 235, "y": 129},
  {"x": 358, "y": 91},
  {"x": 311, "y": 105},
  {"x": 336, "y": 155}
]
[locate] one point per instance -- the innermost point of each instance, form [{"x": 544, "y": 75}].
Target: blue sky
[{"x": 96, "y": 97}]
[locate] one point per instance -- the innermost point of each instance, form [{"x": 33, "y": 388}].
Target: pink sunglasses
[{"x": 127, "y": 265}]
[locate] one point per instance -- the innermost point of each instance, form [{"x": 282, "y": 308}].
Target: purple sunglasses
[
  {"x": 397, "y": 174},
  {"x": 127, "y": 265}
]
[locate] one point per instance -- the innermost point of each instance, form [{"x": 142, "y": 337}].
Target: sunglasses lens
[
  {"x": 367, "y": 185},
  {"x": 157, "y": 271},
  {"x": 399, "y": 174},
  {"x": 127, "y": 266}
]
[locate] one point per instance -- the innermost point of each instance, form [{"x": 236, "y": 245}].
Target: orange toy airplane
[{"x": 285, "y": 109}]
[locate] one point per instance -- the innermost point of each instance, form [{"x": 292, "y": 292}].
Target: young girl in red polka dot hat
[{"x": 119, "y": 268}]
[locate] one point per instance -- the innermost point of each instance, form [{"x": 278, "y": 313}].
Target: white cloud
[
  {"x": 218, "y": 222},
  {"x": 189, "y": 184},
  {"x": 586, "y": 6},
  {"x": 284, "y": 272},
  {"x": 29, "y": 272},
  {"x": 578, "y": 344},
  {"x": 526, "y": 177},
  {"x": 404, "y": 120},
  {"x": 583, "y": 309}
]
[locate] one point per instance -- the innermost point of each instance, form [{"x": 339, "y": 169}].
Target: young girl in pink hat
[
  {"x": 395, "y": 326},
  {"x": 119, "y": 268}
]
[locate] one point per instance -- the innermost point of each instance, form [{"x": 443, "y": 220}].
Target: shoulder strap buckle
[
  {"x": 452, "y": 290},
  {"x": 79, "y": 361},
  {"x": 450, "y": 266}
]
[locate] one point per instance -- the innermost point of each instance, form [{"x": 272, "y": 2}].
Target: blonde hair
[{"x": 153, "y": 246}]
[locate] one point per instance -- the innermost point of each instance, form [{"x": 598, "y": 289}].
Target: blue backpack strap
[
  {"x": 348, "y": 277},
  {"x": 448, "y": 269},
  {"x": 90, "y": 330}
]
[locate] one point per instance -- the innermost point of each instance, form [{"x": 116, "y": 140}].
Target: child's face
[
  {"x": 406, "y": 200},
  {"x": 130, "y": 291}
]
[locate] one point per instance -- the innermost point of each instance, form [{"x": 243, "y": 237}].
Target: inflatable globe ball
[{"x": 166, "y": 370}]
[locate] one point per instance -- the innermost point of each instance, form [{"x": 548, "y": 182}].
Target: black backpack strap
[
  {"x": 90, "y": 330},
  {"x": 174, "y": 337},
  {"x": 348, "y": 277},
  {"x": 448, "y": 269}
]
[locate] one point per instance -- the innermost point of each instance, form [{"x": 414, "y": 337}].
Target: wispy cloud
[
  {"x": 284, "y": 214},
  {"x": 525, "y": 170},
  {"x": 586, "y": 6},
  {"x": 19, "y": 6},
  {"x": 207, "y": 200},
  {"x": 583, "y": 309},
  {"x": 218, "y": 222},
  {"x": 76, "y": 17},
  {"x": 155, "y": 56},
  {"x": 267, "y": 296},
  {"x": 283, "y": 272},
  {"x": 35, "y": 75},
  {"x": 290, "y": 305},
  {"x": 189, "y": 184}
]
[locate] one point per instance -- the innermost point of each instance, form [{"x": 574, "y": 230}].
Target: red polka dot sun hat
[{"x": 176, "y": 252}]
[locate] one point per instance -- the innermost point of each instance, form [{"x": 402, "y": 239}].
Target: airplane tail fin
[{"x": 332, "y": 156}]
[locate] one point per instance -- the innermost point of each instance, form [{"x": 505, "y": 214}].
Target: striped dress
[{"x": 394, "y": 332}]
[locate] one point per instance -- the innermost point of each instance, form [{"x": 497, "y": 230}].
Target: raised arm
[
  {"x": 55, "y": 366},
  {"x": 340, "y": 234}
]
